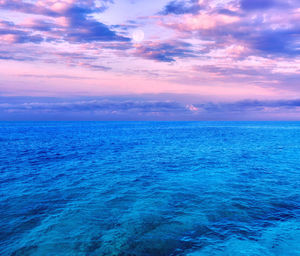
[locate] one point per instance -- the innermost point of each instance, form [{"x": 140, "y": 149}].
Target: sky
[{"x": 149, "y": 60}]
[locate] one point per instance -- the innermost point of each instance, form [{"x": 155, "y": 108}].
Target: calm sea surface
[{"x": 149, "y": 188}]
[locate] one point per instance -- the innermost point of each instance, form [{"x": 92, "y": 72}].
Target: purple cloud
[
  {"x": 9, "y": 32},
  {"x": 250, "y": 105},
  {"x": 54, "y": 9},
  {"x": 94, "y": 105},
  {"x": 78, "y": 27},
  {"x": 143, "y": 109},
  {"x": 181, "y": 7},
  {"x": 257, "y": 4},
  {"x": 265, "y": 34},
  {"x": 164, "y": 51}
]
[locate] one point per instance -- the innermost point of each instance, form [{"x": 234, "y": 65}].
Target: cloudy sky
[{"x": 149, "y": 60}]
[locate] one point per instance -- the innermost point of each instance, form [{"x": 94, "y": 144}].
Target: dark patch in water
[{"x": 25, "y": 251}]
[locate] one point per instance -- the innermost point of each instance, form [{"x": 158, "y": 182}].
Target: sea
[{"x": 149, "y": 188}]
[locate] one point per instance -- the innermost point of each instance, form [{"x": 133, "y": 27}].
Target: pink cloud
[{"x": 202, "y": 21}]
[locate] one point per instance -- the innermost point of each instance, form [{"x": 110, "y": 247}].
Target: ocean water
[{"x": 149, "y": 188}]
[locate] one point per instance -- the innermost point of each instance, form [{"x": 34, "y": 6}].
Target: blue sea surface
[{"x": 149, "y": 188}]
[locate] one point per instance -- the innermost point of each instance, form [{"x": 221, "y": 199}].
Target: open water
[{"x": 149, "y": 188}]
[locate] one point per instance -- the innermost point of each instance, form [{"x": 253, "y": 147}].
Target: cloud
[
  {"x": 94, "y": 105},
  {"x": 273, "y": 33},
  {"x": 6, "y": 57},
  {"x": 204, "y": 21},
  {"x": 58, "y": 8},
  {"x": 246, "y": 73},
  {"x": 81, "y": 59},
  {"x": 277, "y": 42},
  {"x": 257, "y": 4},
  {"x": 86, "y": 59},
  {"x": 54, "y": 24},
  {"x": 243, "y": 73},
  {"x": 38, "y": 25},
  {"x": 20, "y": 37},
  {"x": 83, "y": 29},
  {"x": 145, "y": 109},
  {"x": 72, "y": 21},
  {"x": 95, "y": 66},
  {"x": 59, "y": 76},
  {"x": 8, "y": 54},
  {"x": 164, "y": 51},
  {"x": 181, "y": 7},
  {"x": 250, "y": 105},
  {"x": 10, "y": 33}
]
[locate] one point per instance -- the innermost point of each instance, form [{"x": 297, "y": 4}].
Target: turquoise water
[{"x": 149, "y": 188}]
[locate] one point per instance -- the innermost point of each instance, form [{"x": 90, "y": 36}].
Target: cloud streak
[{"x": 141, "y": 109}]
